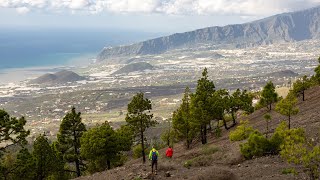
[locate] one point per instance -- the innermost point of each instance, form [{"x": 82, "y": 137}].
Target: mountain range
[{"x": 286, "y": 27}]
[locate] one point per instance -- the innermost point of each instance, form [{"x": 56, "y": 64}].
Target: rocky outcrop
[{"x": 287, "y": 27}]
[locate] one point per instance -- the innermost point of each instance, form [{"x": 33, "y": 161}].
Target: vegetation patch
[
  {"x": 289, "y": 171},
  {"x": 209, "y": 149},
  {"x": 242, "y": 132},
  {"x": 199, "y": 161}
]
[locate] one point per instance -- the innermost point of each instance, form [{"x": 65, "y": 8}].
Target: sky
[{"x": 167, "y": 16}]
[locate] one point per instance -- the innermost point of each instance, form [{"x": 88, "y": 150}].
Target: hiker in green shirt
[{"x": 153, "y": 156}]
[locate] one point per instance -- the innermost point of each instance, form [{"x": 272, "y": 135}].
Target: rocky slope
[
  {"x": 226, "y": 162},
  {"x": 287, "y": 27}
]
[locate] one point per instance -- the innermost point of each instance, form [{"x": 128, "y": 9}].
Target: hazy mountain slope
[
  {"x": 287, "y": 27},
  {"x": 60, "y": 77},
  {"x": 140, "y": 66}
]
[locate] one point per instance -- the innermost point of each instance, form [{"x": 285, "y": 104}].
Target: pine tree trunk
[
  {"x": 77, "y": 154},
  {"x": 224, "y": 123},
  {"x": 142, "y": 143},
  {"x": 303, "y": 95},
  {"x": 233, "y": 118},
  {"x": 289, "y": 121},
  {"x": 205, "y": 135},
  {"x": 108, "y": 164},
  {"x": 270, "y": 106},
  {"x": 202, "y": 134},
  {"x": 267, "y": 129}
]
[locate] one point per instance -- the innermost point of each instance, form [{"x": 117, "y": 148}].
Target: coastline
[
  {"x": 16, "y": 75},
  {"x": 20, "y": 74}
]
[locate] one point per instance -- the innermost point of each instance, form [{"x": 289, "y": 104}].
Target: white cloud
[
  {"x": 79, "y": 4},
  {"x": 182, "y": 7},
  {"x": 22, "y": 10}
]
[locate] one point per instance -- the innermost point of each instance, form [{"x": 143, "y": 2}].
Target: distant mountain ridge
[
  {"x": 60, "y": 77},
  {"x": 286, "y": 27}
]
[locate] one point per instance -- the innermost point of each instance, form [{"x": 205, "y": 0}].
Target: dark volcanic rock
[
  {"x": 60, "y": 77},
  {"x": 287, "y": 27}
]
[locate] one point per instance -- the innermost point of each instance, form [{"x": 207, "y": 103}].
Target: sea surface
[{"x": 33, "y": 48}]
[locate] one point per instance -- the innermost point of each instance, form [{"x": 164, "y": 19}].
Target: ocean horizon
[
  {"x": 24, "y": 51},
  {"x": 52, "y": 47}
]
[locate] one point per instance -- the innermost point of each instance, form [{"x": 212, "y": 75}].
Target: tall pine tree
[
  {"x": 12, "y": 130},
  {"x": 182, "y": 120},
  {"x": 140, "y": 118},
  {"x": 70, "y": 132},
  {"x": 240, "y": 100},
  {"x": 268, "y": 95},
  {"x": 287, "y": 107},
  {"x": 45, "y": 161},
  {"x": 201, "y": 106},
  {"x": 300, "y": 86}
]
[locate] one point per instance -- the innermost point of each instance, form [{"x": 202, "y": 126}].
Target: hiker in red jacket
[{"x": 169, "y": 152}]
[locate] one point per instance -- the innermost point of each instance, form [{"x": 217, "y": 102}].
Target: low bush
[
  {"x": 137, "y": 151},
  {"x": 208, "y": 150},
  {"x": 242, "y": 131},
  {"x": 258, "y": 145},
  {"x": 199, "y": 161},
  {"x": 289, "y": 171}
]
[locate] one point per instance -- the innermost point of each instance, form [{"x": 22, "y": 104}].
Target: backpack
[{"x": 154, "y": 156}]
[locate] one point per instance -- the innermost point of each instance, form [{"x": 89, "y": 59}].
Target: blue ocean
[{"x": 21, "y": 48}]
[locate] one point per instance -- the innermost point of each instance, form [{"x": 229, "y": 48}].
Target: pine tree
[
  {"x": 220, "y": 103},
  {"x": 300, "y": 86},
  {"x": 240, "y": 100},
  {"x": 317, "y": 72},
  {"x": 267, "y": 118},
  {"x": 12, "y": 131},
  {"x": 100, "y": 146},
  {"x": 125, "y": 136},
  {"x": 201, "y": 106},
  {"x": 139, "y": 118},
  {"x": 298, "y": 149},
  {"x": 268, "y": 95},
  {"x": 70, "y": 132},
  {"x": 182, "y": 120},
  {"x": 25, "y": 165},
  {"x": 45, "y": 161},
  {"x": 288, "y": 107}
]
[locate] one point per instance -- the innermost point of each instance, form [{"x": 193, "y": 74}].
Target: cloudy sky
[{"x": 141, "y": 15}]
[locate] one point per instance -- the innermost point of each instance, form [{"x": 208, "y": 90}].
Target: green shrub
[
  {"x": 289, "y": 171},
  {"x": 242, "y": 132},
  {"x": 208, "y": 150},
  {"x": 217, "y": 131},
  {"x": 257, "y": 145},
  {"x": 137, "y": 151},
  {"x": 187, "y": 164},
  {"x": 199, "y": 161}
]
